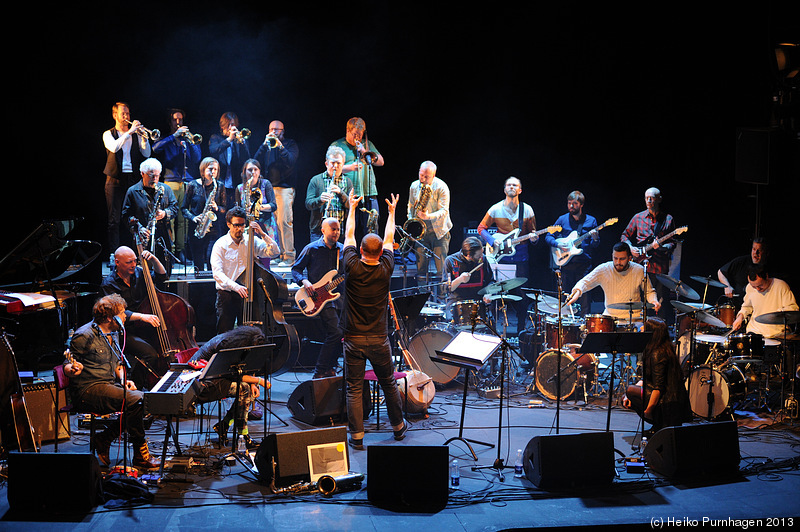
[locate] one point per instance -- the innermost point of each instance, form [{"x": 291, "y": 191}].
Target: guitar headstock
[
  {"x": 681, "y": 230},
  {"x": 554, "y": 229},
  {"x": 611, "y": 221}
]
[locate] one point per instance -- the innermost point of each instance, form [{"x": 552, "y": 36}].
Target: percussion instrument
[
  {"x": 726, "y": 384},
  {"x": 599, "y": 323},
  {"x": 726, "y": 314},
  {"x": 423, "y": 346},
  {"x": 745, "y": 348},
  {"x": 462, "y": 312},
  {"x": 570, "y": 331},
  {"x": 575, "y": 369}
]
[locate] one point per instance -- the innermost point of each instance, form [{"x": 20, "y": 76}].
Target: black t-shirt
[{"x": 367, "y": 293}]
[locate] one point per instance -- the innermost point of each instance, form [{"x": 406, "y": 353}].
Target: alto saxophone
[
  {"x": 208, "y": 216},
  {"x": 151, "y": 222}
]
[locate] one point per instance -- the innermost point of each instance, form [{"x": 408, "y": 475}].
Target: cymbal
[
  {"x": 780, "y": 317},
  {"x": 635, "y": 305},
  {"x": 510, "y": 297},
  {"x": 707, "y": 280},
  {"x": 503, "y": 286},
  {"x": 678, "y": 286},
  {"x": 701, "y": 315},
  {"x": 698, "y": 306}
]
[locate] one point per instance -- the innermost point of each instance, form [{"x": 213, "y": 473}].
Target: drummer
[
  {"x": 621, "y": 280},
  {"x": 467, "y": 273},
  {"x": 764, "y": 295}
]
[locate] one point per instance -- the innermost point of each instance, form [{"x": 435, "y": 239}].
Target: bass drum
[
  {"x": 728, "y": 385},
  {"x": 573, "y": 372},
  {"x": 423, "y": 346}
]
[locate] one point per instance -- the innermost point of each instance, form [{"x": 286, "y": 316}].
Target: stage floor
[{"x": 209, "y": 498}]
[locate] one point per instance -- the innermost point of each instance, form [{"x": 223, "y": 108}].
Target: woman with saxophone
[
  {"x": 257, "y": 197},
  {"x": 204, "y": 207},
  {"x": 428, "y": 223}
]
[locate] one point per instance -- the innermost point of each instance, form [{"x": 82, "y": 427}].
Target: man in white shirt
[
  {"x": 229, "y": 259},
  {"x": 763, "y": 295},
  {"x": 622, "y": 281}
]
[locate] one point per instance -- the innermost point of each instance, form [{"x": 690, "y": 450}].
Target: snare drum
[
  {"x": 570, "y": 332},
  {"x": 599, "y": 323},
  {"x": 746, "y": 348},
  {"x": 462, "y": 312}
]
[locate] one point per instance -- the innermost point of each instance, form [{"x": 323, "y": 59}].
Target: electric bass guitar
[
  {"x": 507, "y": 244},
  {"x": 645, "y": 251},
  {"x": 311, "y": 304},
  {"x": 570, "y": 245}
]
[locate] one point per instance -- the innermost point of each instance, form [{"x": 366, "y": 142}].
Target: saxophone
[
  {"x": 151, "y": 222},
  {"x": 208, "y": 216},
  {"x": 415, "y": 227}
]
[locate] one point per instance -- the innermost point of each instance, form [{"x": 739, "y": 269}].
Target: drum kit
[{"x": 724, "y": 367}]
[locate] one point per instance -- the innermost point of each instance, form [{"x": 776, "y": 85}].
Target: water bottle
[
  {"x": 241, "y": 446},
  {"x": 455, "y": 474},
  {"x": 519, "y": 469},
  {"x": 643, "y": 445}
]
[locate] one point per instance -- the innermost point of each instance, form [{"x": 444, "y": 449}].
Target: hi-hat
[
  {"x": 701, "y": 315},
  {"x": 510, "y": 297},
  {"x": 707, "y": 280},
  {"x": 779, "y": 318},
  {"x": 635, "y": 305},
  {"x": 677, "y": 286},
  {"x": 503, "y": 286}
]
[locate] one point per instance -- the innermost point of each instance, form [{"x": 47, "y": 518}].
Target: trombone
[{"x": 152, "y": 134}]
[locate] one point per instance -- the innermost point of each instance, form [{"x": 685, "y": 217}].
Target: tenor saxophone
[
  {"x": 208, "y": 216},
  {"x": 151, "y": 222}
]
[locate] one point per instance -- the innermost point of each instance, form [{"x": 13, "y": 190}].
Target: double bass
[
  {"x": 266, "y": 294},
  {"x": 175, "y": 315}
]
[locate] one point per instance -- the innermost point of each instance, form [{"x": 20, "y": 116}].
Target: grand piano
[{"x": 43, "y": 294}]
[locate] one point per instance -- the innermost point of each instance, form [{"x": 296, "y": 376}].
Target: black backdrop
[{"x": 607, "y": 100}]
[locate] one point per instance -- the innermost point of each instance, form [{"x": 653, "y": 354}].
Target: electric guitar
[
  {"x": 572, "y": 243},
  {"x": 312, "y": 304},
  {"x": 507, "y": 244},
  {"x": 645, "y": 250}
]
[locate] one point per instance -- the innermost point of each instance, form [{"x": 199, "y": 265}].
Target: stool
[{"x": 375, "y": 392}]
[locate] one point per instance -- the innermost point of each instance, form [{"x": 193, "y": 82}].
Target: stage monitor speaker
[
  {"x": 566, "y": 461},
  {"x": 290, "y": 451},
  {"x": 322, "y": 401},
  {"x": 422, "y": 489},
  {"x": 694, "y": 450},
  {"x": 53, "y": 482},
  {"x": 40, "y": 400}
]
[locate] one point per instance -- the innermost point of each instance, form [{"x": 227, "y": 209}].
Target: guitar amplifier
[{"x": 40, "y": 401}]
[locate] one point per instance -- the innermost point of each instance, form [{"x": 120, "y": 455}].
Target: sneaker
[
  {"x": 357, "y": 444},
  {"x": 400, "y": 434}
]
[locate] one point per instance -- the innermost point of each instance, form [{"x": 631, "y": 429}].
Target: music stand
[
  {"x": 614, "y": 342},
  {"x": 469, "y": 351},
  {"x": 233, "y": 364}
]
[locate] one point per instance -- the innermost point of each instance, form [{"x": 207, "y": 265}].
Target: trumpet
[
  {"x": 192, "y": 138},
  {"x": 242, "y": 136},
  {"x": 271, "y": 141},
  {"x": 152, "y": 134}
]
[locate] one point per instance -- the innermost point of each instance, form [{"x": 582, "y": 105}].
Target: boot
[
  {"x": 142, "y": 459},
  {"x": 102, "y": 445}
]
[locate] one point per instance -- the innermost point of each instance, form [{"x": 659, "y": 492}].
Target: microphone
[
  {"x": 118, "y": 320},
  {"x": 473, "y": 317}
]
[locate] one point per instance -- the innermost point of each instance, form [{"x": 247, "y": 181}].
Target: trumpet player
[
  {"x": 428, "y": 222},
  {"x": 278, "y": 158},
  {"x": 204, "y": 195},
  {"x": 326, "y": 196},
  {"x": 126, "y": 147},
  {"x": 361, "y": 158},
  {"x": 179, "y": 154},
  {"x": 230, "y": 148}
]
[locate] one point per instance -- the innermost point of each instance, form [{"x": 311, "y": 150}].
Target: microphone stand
[
  {"x": 267, "y": 372},
  {"x": 118, "y": 351}
]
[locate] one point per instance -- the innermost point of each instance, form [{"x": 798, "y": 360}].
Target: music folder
[
  {"x": 468, "y": 349},
  {"x": 252, "y": 359}
]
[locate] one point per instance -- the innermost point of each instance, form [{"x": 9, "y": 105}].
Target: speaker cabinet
[
  {"x": 565, "y": 461},
  {"x": 695, "y": 450},
  {"x": 322, "y": 401},
  {"x": 54, "y": 482},
  {"x": 40, "y": 400},
  {"x": 423, "y": 488},
  {"x": 290, "y": 451}
]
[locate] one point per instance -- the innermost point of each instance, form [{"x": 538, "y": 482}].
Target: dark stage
[{"x": 606, "y": 100}]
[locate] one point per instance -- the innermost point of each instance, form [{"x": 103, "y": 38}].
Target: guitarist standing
[
  {"x": 580, "y": 264},
  {"x": 317, "y": 259},
  {"x": 644, "y": 229},
  {"x": 508, "y": 215}
]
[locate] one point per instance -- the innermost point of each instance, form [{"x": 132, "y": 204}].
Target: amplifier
[{"x": 40, "y": 400}]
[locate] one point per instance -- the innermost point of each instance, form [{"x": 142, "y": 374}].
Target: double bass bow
[{"x": 176, "y": 316}]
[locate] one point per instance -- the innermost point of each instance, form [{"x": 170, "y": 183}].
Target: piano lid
[{"x": 46, "y": 255}]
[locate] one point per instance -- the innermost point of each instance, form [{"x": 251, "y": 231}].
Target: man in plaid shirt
[{"x": 643, "y": 229}]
